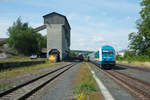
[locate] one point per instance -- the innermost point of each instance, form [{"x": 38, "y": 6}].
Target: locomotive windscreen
[{"x": 107, "y": 51}]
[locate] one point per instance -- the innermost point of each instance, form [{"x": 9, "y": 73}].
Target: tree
[
  {"x": 140, "y": 41},
  {"x": 24, "y": 39},
  {"x": 42, "y": 41},
  {"x": 72, "y": 53}
]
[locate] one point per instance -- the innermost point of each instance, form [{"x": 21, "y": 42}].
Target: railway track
[
  {"x": 139, "y": 89},
  {"x": 25, "y": 90}
]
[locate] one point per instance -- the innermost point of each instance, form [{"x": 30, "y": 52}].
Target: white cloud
[
  {"x": 88, "y": 34},
  {"x": 89, "y": 38},
  {"x": 93, "y": 23},
  {"x": 97, "y": 39},
  {"x": 128, "y": 18},
  {"x": 104, "y": 13},
  {"x": 5, "y": 24}
]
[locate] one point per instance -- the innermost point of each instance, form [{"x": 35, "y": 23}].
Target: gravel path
[
  {"x": 140, "y": 74},
  {"x": 116, "y": 91},
  {"x": 14, "y": 81},
  {"x": 59, "y": 89}
]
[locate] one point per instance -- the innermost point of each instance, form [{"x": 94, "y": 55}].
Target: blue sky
[{"x": 93, "y": 22}]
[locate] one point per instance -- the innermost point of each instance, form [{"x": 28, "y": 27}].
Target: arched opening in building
[{"x": 56, "y": 53}]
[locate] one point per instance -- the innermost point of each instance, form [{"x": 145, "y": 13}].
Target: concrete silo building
[{"x": 58, "y": 34}]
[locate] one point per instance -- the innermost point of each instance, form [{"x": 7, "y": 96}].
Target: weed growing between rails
[
  {"x": 85, "y": 85},
  {"x": 84, "y": 89}
]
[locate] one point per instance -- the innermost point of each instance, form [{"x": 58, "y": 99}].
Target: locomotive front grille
[{"x": 108, "y": 62}]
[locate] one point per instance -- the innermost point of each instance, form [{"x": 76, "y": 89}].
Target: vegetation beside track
[
  {"x": 139, "y": 42},
  {"x": 26, "y": 69},
  {"x": 20, "y": 59},
  {"x": 135, "y": 63},
  {"x": 85, "y": 86},
  {"x": 24, "y": 39},
  {"x": 130, "y": 59}
]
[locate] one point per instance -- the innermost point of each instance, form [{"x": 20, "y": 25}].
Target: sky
[{"x": 93, "y": 22}]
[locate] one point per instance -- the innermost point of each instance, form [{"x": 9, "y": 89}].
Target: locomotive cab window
[{"x": 107, "y": 52}]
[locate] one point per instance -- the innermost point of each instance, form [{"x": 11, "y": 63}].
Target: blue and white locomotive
[{"x": 105, "y": 57}]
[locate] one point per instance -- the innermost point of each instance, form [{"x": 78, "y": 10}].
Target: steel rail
[
  {"x": 10, "y": 91},
  {"x": 139, "y": 89}
]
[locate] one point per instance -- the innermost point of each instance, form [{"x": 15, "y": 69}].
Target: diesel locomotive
[{"x": 104, "y": 57}]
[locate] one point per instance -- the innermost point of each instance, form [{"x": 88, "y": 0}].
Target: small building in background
[
  {"x": 42, "y": 53},
  {"x": 121, "y": 53}
]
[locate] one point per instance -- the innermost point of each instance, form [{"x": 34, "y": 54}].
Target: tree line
[
  {"x": 23, "y": 38},
  {"x": 139, "y": 42}
]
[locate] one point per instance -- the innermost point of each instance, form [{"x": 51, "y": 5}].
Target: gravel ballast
[
  {"x": 14, "y": 81},
  {"x": 116, "y": 91},
  {"x": 59, "y": 89},
  {"x": 139, "y": 74}
]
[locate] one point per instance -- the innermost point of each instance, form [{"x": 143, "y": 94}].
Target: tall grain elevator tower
[{"x": 58, "y": 34}]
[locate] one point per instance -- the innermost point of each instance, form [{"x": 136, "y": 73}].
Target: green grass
[
  {"x": 25, "y": 69},
  {"x": 20, "y": 59},
  {"x": 85, "y": 85},
  {"x": 134, "y": 58},
  {"x": 135, "y": 63},
  {"x": 3, "y": 87}
]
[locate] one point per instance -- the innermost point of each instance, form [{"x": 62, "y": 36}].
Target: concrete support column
[{"x": 54, "y": 38}]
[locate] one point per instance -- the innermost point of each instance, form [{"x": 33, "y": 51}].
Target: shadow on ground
[{"x": 118, "y": 68}]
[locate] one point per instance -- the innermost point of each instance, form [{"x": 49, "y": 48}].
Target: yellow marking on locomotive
[{"x": 97, "y": 58}]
